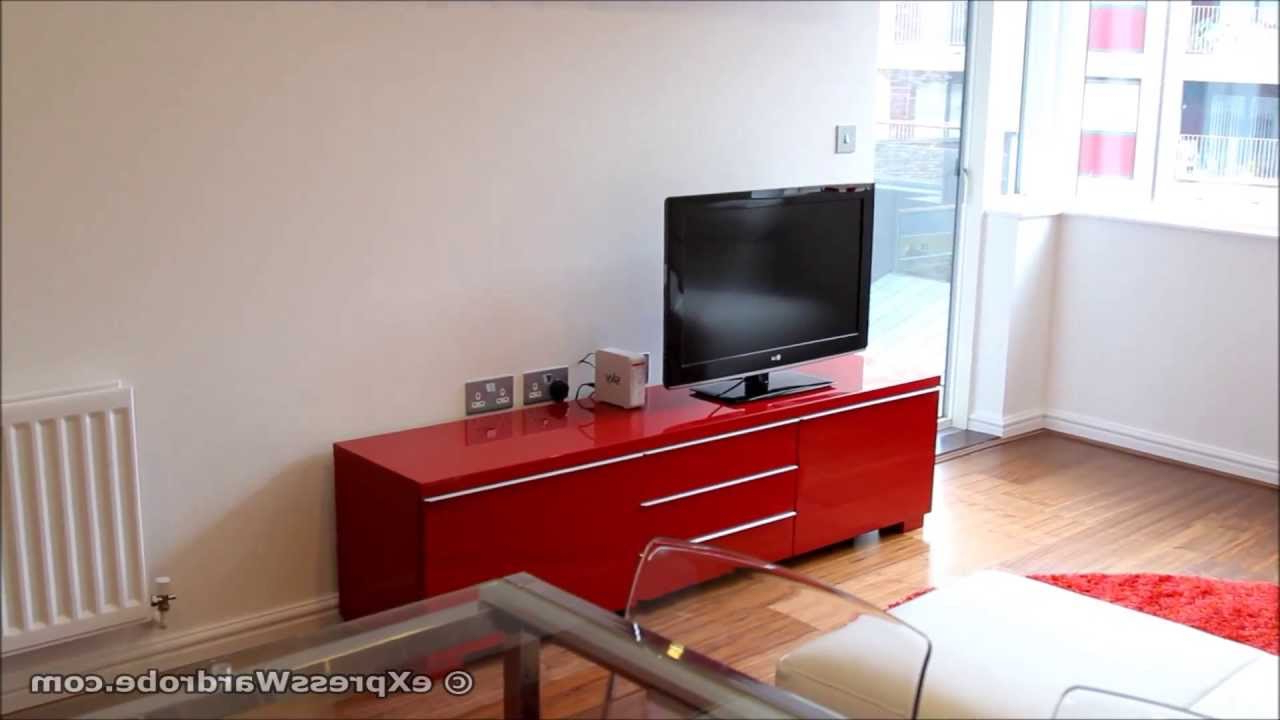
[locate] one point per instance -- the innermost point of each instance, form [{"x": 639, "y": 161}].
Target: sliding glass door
[{"x": 919, "y": 96}]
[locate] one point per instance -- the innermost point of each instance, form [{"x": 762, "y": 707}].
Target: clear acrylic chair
[{"x": 759, "y": 619}]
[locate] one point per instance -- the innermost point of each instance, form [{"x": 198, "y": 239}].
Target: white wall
[
  {"x": 1029, "y": 315},
  {"x": 290, "y": 224},
  {"x": 1165, "y": 339},
  {"x": 1136, "y": 333},
  {"x": 1012, "y": 339}
]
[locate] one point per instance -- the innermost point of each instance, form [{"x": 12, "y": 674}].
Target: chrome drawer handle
[
  {"x": 743, "y": 527},
  {"x": 531, "y": 478},
  {"x": 719, "y": 486}
]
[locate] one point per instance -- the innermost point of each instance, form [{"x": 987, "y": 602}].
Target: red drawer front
[
  {"x": 569, "y": 530},
  {"x": 865, "y": 469},
  {"x": 707, "y": 463},
  {"x": 770, "y": 541},
  {"x": 751, "y": 498}
]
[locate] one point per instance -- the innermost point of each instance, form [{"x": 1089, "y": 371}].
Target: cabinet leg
[{"x": 911, "y": 523}]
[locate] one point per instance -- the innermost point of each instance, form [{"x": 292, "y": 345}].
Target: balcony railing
[
  {"x": 957, "y": 22},
  {"x": 1226, "y": 159},
  {"x": 911, "y": 130},
  {"x": 1217, "y": 26},
  {"x": 926, "y": 23}
]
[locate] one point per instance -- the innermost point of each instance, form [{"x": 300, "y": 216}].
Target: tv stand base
[{"x": 759, "y": 387}]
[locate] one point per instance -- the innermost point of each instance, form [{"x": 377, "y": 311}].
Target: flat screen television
[{"x": 761, "y": 281}]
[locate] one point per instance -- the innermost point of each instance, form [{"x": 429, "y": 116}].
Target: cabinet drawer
[
  {"x": 570, "y": 530},
  {"x": 708, "y": 508},
  {"x": 684, "y": 467},
  {"x": 766, "y": 538}
]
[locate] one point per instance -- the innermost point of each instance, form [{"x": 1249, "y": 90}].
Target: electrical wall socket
[
  {"x": 490, "y": 394},
  {"x": 535, "y": 384}
]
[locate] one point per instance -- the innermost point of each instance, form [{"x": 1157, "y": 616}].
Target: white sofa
[{"x": 1006, "y": 646}]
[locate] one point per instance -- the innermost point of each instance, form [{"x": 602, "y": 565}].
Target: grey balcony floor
[{"x": 908, "y": 334}]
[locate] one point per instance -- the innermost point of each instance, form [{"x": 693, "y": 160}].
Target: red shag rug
[{"x": 1247, "y": 612}]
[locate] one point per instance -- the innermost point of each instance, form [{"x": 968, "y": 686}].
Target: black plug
[{"x": 558, "y": 390}]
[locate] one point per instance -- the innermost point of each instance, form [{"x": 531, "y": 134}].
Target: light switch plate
[
  {"x": 846, "y": 138},
  {"x": 490, "y": 394},
  {"x": 535, "y": 383}
]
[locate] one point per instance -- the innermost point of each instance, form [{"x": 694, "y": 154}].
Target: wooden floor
[
  {"x": 1045, "y": 503},
  {"x": 1048, "y": 503}
]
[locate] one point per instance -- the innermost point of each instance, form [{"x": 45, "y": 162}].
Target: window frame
[
  {"x": 1061, "y": 38},
  {"x": 1254, "y": 203},
  {"x": 1146, "y": 67}
]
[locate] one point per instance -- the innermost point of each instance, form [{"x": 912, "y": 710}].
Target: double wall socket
[
  {"x": 484, "y": 396},
  {"x": 535, "y": 384},
  {"x": 498, "y": 393}
]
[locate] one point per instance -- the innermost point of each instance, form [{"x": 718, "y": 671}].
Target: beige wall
[{"x": 290, "y": 224}]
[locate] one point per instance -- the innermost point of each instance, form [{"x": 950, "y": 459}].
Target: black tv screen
[{"x": 761, "y": 280}]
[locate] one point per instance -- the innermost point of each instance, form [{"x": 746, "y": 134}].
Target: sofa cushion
[
  {"x": 1006, "y": 646},
  {"x": 1251, "y": 692},
  {"x": 887, "y": 685}
]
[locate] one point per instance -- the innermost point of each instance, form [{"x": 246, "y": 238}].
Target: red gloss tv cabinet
[{"x": 573, "y": 492}]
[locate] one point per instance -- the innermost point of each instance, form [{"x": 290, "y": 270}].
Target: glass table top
[{"x": 494, "y": 649}]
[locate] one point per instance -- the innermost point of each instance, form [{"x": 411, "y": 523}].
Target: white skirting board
[
  {"x": 164, "y": 649},
  {"x": 1210, "y": 457},
  {"x": 1009, "y": 425}
]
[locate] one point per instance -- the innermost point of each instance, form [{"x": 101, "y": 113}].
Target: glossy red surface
[
  {"x": 452, "y": 456},
  {"x": 701, "y": 514},
  {"x": 846, "y": 490},
  {"x": 668, "y": 574},
  {"x": 377, "y": 523},
  {"x": 697, "y": 466},
  {"x": 553, "y": 528},
  {"x": 582, "y": 528}
]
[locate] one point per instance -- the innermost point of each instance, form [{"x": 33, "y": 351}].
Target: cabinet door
[
  {"x": 865, "y": 469},
  {"x": 569, "y": 530}
]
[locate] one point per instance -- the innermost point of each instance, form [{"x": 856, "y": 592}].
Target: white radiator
[{"x": 73, "y": 561}]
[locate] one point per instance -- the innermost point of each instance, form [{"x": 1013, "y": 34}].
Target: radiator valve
[{"x": 162, "y": 598}]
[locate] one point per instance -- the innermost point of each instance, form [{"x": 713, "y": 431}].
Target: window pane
[
  {"x": 1241, "y": 27},
  {"x": 1004, "y": 105},
  {"x": 919, "y": 93},
  {"x": 1117, "y": 26},
  {"x": 1229, "y": 133},
  {"x": 1109, "y": 127}
]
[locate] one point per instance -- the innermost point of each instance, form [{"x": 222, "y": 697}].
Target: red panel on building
[
  {"x": 1107, "y": 154},
  {"x": 1117, "y": 27}
]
